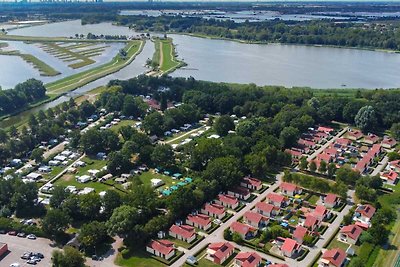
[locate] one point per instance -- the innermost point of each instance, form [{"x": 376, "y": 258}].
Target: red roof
[
  {"x": 185, "y": 231},
  {"x": 266, "y": 207},
  {"x": 222, "y": 249},
  {"x": 290, "y": 245},
  {"x": 356, "y": 133},
  {"x": 199, "y": 219},
  {"x": 252, "y": 181},
  {"x": 306, "y": 142},
  {"x": 325, "y": 129},
  {"x": 241, "y": 228},
  {"x": 274, "y": 197},
  {"x": 331, "y": 198},
  {"x": 294, "y": 153},
  {"x": 391, "y": 175},
  {"x": 325, "y": 157},
  {"x": 376, "y": 149},
  {"x": 335, "y": 256},
  {"x": 163, "y": 246},
  {"x": 288, "y": 187},
  {"x": 331, "y": 151},
  {"x": 395, "y": 163},
  {"x": 228, "y": 199},
  {"x": 320, "y": 211},
  {"x": 310, "y": 221},
  {"x": 214, "y": 208},
  {"x": 343, "y": 141},
  {"x": 389, "y": 141},
  {"x": 366, "y": 210},
  {"x": 255, "y": 217},
  {"x": 248, "y": 259},
  {"x": 352, "y": 231},
  {"x": 240, "y": 190},
  {"x": 372, "y": 137},
  {"x": 300, "y": 232}
]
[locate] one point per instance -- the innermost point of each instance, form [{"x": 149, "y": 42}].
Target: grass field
[
  {"x": 165, "y": 56},
  {"x": 138, "y": 258}
]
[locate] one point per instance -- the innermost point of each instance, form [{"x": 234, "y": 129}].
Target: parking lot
[{"x": 17, "y": 246}]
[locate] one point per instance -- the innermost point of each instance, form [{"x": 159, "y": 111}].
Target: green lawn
[
  {"x": 138, "y": 258},
  {"x": 146, "y": 177},
  {"x": 203, "y": 262},
  {"x": 337, "y": 244},
  {"x": 313, "y": 199},
  {"x": 122, "y": 123},
  {"x": 165, "y": 56}
]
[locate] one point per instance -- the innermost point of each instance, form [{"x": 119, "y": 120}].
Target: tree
[
  {"x": 89, "y": 205},
  {"x": 395, "y": 130},
  {"x": 55, "y": 222},
  {"x": 237, "y": 238},
  {"x": 366, "y": 118},
  {"x": 37, "y": 155},
  {"x": 227, "y": 234},
  {"x": 58, "y": 196},
  {"x": 163, "y": 156},
  {"x": 122, "y": 220},
  {"x": 225, "y": 170},
  {"x": 313, "y": 166},
  {"x": 152, "y": 124},
  {"x": 331, "y": 170},
  {"x": 91, "y": 142},
  {"x": 303, "y": 165},
  {"x": 223, "y": 125},
  {"x": 347, "y": 175},
  {"x": 322, "y": 167},
  {"x": 118, "y": 163},
  {"x": 92, "y": 234},
  {"x": 288, "y": 136},
  {"x": 111, "y": 201},
  {"x": 69, "y": 257}
]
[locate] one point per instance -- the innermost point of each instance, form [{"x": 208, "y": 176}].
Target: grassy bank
[
  {"x": 72, "y": 82},
  {"x": 7, "y": 37}
]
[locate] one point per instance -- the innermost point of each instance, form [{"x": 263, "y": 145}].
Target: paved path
[
  {"x": 380, "y": 166},
  {"x": 109, "y": 257}
]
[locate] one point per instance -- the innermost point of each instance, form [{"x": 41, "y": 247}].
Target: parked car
[
  {"x": 31, "y": 236},
  {"x": 33, "y": 262},
  {"x": 21, "y": 234},
  {"x": 38, "y": 255},
  {"x": 12, "y": 233},
  {"x": 3, "y": 232},
  {"x": 26, "y": 255},
  {"x": 15, "y": 264}
]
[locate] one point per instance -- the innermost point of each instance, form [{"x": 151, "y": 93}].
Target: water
[
  {"x": 132, "y": 70},
  {"x": 72, "y": 27},
  {"x": 14, "y": 70},
  {"x": 286, "y": 65}
]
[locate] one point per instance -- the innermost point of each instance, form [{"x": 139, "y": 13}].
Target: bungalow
[
  {"x": 364, "y": 213},
  {"x": 311, "y": 223},
  {"x": 321, "y": 213},
  {"x": 395, "y": 165},
  {"x": 247, "y": 259},
  {"x": 244, "y": 230},
  {"x": 219, "y": 252},
  {"x": 290, "y": 248},
  {"x": 34, "y": 176},
  {"x": 371, "y": 139},
  {"x": 161, "y": 248},
  {"x": 362, "y": 165},
  {"x": 333, "y": 258},
  {"x": 332, "y": 151},
  {"x": 44, "y": 169},
  {"x": 388, "y": 142},
  {"x": 350, "y": 233},
  {"x": 214, "y": 210},
  {"x": 307, "y": 143},
  {"x": 251, "y": 183},
  {"x": 342, "y": 142},
  {"x": 296, "y": 154},
  {"x": 277, "y": 200},
  {"x": 267, "y": 209},
  {"x": 240, "y": 192},
  {"x": 328, "y": 158},
  {"x": 354, "y": 135},
  {"x": 255, "y": 219},
  {"x": 227, "y": 201},
  {"x": 324, "y": 129},
  {"x": 299, "y": 234},
  {"x": 290, "y": 189},
  {"x": 390, "y": 177},
  {"x": 183, "y": 232},
  {"x": 201, "y": 221}
]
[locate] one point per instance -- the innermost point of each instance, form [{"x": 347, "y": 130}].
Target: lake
[{"x": 287, "y": 65}]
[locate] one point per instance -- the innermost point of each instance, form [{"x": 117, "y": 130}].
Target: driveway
[{"x": 17, "y": 246}]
